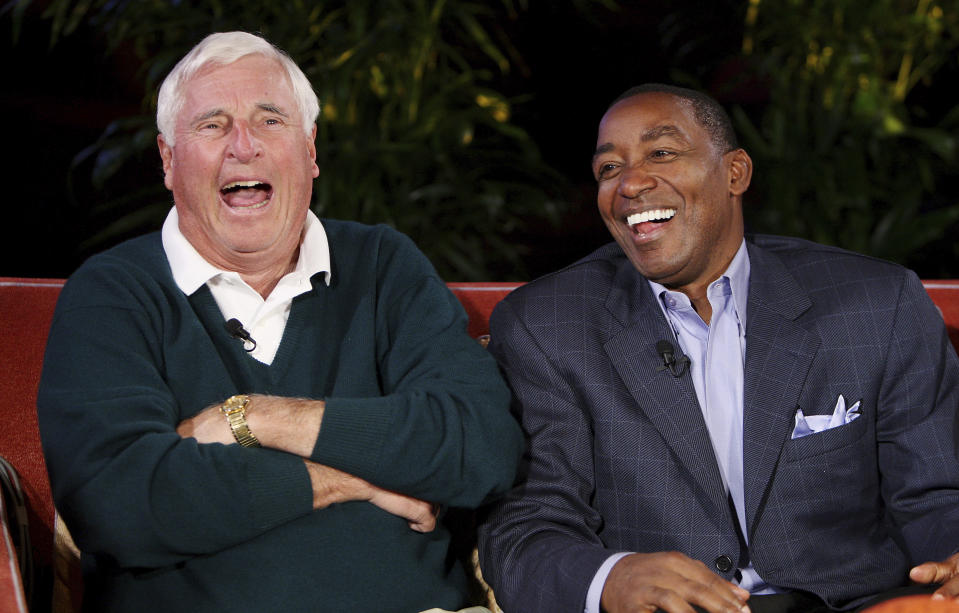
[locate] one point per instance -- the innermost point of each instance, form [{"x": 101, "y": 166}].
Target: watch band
[{"x": 235, "y": 411}]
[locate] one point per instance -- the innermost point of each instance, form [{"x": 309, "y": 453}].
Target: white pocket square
[{"x": 811, "y": 424}]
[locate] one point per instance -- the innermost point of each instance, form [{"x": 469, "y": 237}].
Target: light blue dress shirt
[{"x": 717, "y": 353}]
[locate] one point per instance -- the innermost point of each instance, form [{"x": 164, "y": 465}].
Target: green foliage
[
  {"x": 412, "y": 130},
  {"x": 851, "y": 149}
]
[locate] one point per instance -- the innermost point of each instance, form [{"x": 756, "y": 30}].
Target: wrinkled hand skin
[
  {"x": 207, "y": 426},
  {"x": 669, "y": 581},
  {"x": 945, "y": 572},
  {"x": 331, "y": 486}
]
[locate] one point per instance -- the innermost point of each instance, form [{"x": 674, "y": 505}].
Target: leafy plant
[
  {"x": 855, "y": 147},
  {"x": 413, "y": 131}
]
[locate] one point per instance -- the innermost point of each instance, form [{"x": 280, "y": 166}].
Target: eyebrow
[
  {"x": 263, "y": 106},
  {"x": 271, "y": 108},
  {"x": 647, "y": 136},
  {"x": 660, "y": 131}
]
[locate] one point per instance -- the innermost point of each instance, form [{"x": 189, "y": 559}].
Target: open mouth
[
  {"x": 655, "y": 216},
  {"x": 246, "y": 194}
]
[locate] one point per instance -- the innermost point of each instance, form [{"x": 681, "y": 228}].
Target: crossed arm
[{"x": 292, "y": 425}]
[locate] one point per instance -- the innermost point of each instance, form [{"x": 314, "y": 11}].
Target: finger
[
  {"x": 673, "y": 602},
  {"x": 949, "y": 590},
  {"x": 666, "y": 600},
  {"x": 726, "y": 599},
  {"x": 423, "y": 526},
  {"x": 703, "y": 587},
  {"x": 674, "y": 582},
  {"x": 930, "y": 572}
]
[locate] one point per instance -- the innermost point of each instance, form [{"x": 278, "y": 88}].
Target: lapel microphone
[
  {"x": 235, "y": 329},
  {"x": 675, "y": 367}
]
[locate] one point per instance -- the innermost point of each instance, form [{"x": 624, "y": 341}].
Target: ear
[
  {"x": 312, "y": 151},
  {"x": 166, "y": 154},
  {"x": 740, "y": 171}
]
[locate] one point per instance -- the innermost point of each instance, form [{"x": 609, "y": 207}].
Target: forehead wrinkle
[
  {"x": 208, "y": 115},
  {"x": 657, "y": 132},
  {"x": 650, "y": 135}
]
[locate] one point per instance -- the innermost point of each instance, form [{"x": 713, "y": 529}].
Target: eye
[
  {"x": 272, "y": 121},
  {"x": 606, "y": 170},
  {"x": 209, "y": 126},
  {"x": 662, "y": 155}
]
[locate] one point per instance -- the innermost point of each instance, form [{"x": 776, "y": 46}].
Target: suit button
[{"x": 723, "y": 563}]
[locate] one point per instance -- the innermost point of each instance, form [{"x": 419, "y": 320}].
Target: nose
[
  {"x": 635, "y": 181},
  {"x": 243, "y": 145}
]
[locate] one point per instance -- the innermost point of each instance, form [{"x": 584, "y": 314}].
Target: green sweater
[{"x": 167, "y": 524}]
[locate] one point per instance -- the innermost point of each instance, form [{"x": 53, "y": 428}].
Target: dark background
[{"x": 57, "y": 99}]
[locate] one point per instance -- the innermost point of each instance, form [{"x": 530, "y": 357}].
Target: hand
[
  {"x": 331, "y": 486},
  {"x": 669, "y": 581},
  {"x": 419, "y": 514},
  {"x": 945, "y": 572},
  {"x": 207, "y": 426}
]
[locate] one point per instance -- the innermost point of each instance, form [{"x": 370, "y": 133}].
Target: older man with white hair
[{"x": 254, "y": 410}]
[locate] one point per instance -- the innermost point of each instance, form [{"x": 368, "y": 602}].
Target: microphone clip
[
  {"x": 675, "y": 367},
  {"x": 236, "y": 330}
]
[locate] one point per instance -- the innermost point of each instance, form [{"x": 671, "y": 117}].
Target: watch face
[{"x": 234, "y": 404}]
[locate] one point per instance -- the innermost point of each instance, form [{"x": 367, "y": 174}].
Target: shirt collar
[
  {"x": 737, "y": 274},
  {"x": 191, "y": 270}
]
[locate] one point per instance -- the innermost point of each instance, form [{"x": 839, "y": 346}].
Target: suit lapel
[
  {"x": 668, "y": 402},
  {"x": 779, "y": 352}
]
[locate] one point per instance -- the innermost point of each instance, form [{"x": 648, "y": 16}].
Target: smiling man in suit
[{"x": 717, "y": 421}]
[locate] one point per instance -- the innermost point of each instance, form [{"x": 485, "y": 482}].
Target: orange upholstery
[
  {"x": 479, "y": 299},
  {"x": 26, "y": 309},
  {"x": 946, "y": 296},
  {"x": 11, "y": 589}
]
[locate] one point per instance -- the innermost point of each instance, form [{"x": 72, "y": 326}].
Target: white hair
[{"x": 226, "y": 48}]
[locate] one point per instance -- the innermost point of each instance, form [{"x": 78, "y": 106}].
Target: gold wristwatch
[{"x": 235, "y": 410}]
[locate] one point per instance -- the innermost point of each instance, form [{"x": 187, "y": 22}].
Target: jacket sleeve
[
  {"x": 918, "y": 428},
  {"x": 539, "y": 547},
  {"x": 131, "y": 490},
  {"x": 441, "y": 430}
]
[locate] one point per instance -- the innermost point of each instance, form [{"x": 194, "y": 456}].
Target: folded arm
[{"x": 292, "y": 425}]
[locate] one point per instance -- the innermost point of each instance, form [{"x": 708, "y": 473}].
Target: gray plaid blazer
[{"x": 619, "y": 458}]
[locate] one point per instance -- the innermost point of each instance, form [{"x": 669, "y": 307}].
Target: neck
[
  {"x": 700, "y": 302},
  {"x": 263, "y": 279}
]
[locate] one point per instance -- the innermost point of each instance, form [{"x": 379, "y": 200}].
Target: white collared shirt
[{"x": 265, "y": 320}]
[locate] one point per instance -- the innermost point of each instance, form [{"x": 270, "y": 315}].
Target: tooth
[
  {"x": 241, "y": 184},
  {"x": 654, "y": 215}
]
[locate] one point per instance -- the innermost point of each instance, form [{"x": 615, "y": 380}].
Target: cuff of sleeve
[
  {"x": 280, "y": 489},
  {"x": 353, "y": 433},
  {"x": 595, "y": 593}
]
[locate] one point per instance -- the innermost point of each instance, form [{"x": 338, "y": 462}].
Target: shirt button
[{"x": 723, "y": 563}]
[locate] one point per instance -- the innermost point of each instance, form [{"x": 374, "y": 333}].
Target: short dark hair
[{"x": 708, "y": 112}]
